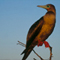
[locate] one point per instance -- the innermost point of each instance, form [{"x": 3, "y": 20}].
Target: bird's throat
[{"x": 40, "y": 43}]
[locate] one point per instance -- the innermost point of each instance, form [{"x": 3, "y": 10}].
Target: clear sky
[{"x": 16, "y": 17}]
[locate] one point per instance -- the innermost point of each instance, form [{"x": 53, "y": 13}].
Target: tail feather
[
  {"x": 27, "y": 52},
  {"x": 23, "y": 52}
]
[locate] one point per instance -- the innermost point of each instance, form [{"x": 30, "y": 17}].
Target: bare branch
[{"x": 22, "y": 44}]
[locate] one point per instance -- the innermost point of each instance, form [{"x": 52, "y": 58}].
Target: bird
[{"x": 40, "y": 30}]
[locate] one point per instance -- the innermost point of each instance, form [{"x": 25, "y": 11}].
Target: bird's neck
[{"x": 52, "y": 11}]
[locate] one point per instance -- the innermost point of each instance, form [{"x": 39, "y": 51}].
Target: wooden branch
[
  {"x": 38, "y": 55},
  {"x": 22, "y": 44}
]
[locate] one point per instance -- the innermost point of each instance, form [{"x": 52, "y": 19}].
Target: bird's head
[{"x": 48, "y": 7}]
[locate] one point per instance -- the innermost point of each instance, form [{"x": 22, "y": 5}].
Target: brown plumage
[{"x": 40, "y": 30}]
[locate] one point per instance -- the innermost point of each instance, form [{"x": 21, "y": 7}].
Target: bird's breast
[
  {"x": 46, "y": 28},
  {"x": 45, "y": 32},
  {"x": 49, "y": 18}
]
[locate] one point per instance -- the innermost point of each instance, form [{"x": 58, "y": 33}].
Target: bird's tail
[
  {"x": 23, "y": 52},
  {"x": 27, "y": 52}
]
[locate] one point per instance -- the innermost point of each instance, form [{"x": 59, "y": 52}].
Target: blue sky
[{"x": 16, "y": 17}]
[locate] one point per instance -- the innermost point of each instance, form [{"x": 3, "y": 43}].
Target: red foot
[
  {"x": 40, "y": 43},
  {"x": 46, "y": 44}
]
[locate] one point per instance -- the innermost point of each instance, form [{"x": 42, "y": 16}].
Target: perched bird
[{"x": 40, "y": 30}]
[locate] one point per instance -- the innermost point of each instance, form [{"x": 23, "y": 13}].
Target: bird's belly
[{"x": 45, "y": 32}]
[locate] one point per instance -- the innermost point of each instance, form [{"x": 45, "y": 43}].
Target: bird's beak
[{"x": 44, "y": 6}]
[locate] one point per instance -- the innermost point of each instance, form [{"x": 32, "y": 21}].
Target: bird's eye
[{"x": 48, "y": 6}]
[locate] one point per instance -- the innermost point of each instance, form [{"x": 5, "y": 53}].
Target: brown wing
[{"x": 34, "y": 31}]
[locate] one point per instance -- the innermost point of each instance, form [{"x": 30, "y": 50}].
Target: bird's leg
[
  {"x": 40, "y": 43},
  {"x": 50, "y": 48}
]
